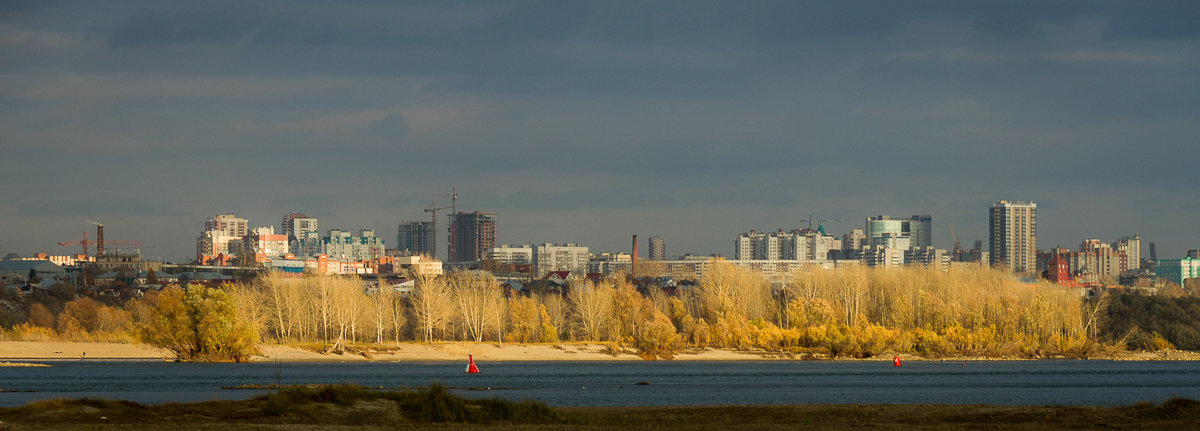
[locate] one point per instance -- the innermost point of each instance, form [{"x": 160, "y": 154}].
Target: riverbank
[{"x": 457, "y": 351}]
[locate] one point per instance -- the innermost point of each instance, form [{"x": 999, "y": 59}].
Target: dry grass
[{"x": 351, "y": 407}]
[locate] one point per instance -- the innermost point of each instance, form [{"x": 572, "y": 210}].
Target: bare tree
[
  {"x": 479, "y": 301},
  {"x": 432, "y": 305},
  {"x": 591, "y": 308},
  {"x": 346, "y": 294},
  {"x": 730, "y": 292}
]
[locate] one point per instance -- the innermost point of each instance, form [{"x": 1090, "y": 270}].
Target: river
[{"x": 1061, "y": 382}]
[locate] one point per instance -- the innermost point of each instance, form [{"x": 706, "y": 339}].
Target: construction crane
[
  {"x": 453, "y": 195},
  {"x": 84, "y": 243},
  {"x": 810, "y": 220},
  {"x": 433, "y": 208},
  {"x": 955, "y": 235}
]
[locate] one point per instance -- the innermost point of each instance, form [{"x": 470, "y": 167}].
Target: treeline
[
  {"x": 64, "y": 314},
  {"x": 1147, "y": 322},
  {"x": 854, "y": 311},
  {"x": 845, "y": 312}
]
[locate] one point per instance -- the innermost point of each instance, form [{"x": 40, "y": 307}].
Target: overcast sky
[{"x": 591, "y": 121}]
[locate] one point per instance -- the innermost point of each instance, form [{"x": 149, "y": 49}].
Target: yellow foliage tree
[{"x": 199, "y": 324}]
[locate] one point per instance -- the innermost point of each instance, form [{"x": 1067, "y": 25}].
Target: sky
[{"x": 588, "y": 122}]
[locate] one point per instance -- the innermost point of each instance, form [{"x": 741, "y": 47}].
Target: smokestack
[
  {"x": 633, "y": 266},
  {"x": 99, "y": 239}
]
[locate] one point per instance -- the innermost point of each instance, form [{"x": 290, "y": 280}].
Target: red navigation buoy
[
  {"x": 896, "y": 361},
  {"x": 471, "y": 369}
]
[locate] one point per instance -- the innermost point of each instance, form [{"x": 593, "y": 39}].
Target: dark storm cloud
[
  {"x": 212, "y": 25},
  {"x": 737, "y": 115},
  {"x": 390, "y": 127},
  {"x": 95, "y": 207}
]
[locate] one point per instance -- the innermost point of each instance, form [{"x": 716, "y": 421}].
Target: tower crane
[
  {"x": 84, "y": 243},
  {"x": 955, "y": 235},
  {"x": 453, "y": 195},
  {"x": 433, "y": 208}
]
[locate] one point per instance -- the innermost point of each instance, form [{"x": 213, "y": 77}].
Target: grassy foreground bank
[{"x": 353, "y": 407}]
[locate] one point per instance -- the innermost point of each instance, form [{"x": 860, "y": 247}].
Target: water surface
[{"x": 1062, "y": 382}]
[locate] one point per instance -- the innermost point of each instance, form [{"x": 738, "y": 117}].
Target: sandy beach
[
  {"x": 452, "y": 351},
  {"x": 445, "y": 351}
]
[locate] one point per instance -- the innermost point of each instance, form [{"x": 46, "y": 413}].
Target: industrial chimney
[
  {"x": 633, "y": 265},
  {"x": 99, "y": 239}
]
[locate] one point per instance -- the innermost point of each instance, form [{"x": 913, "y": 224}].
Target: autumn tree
[
  {"x": 523, "y": 320},
  {"x": 198, "y": 323}
]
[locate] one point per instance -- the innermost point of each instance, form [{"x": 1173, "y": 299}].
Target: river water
[{"x": 1061, "y": 382}]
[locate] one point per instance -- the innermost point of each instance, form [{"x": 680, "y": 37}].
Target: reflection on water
[{"x": 615, "y": 383}]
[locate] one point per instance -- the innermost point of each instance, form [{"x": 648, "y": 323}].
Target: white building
[
  {"x": 510, "y": 254},
  {"x": 419, "y": 265},
  {"x": 805, "y": 245},
  {"x": 560, "y": 257}
]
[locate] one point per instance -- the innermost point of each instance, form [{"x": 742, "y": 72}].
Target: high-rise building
[
  {"x": 297, "y": 225},
  {"x": 470, "y": 234},
  {"x": 854, "y": 240},
  {"x": 416, "y": 238},
  {"x": 1132, "y": 247},
  {"x": 658, "y": 248},
  {"x": 229, "y": 224},
  {"x": 223, "y": 235},
  {"x": 1012, "y": 234}
]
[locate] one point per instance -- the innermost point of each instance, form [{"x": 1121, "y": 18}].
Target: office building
[
  {"x": 1177, "y": 270},
  {"x": 470, "y": 234},
  {"x": 1012, "y": 235},
  {"x": 917, "y": 227}
]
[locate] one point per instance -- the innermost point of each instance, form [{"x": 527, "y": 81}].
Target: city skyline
[
  {"x": 911, "y": 229},
  {"x": 587, "y": 122}
]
